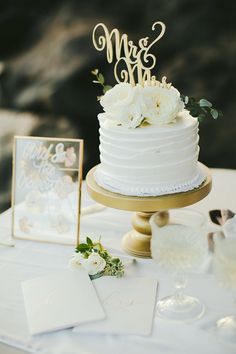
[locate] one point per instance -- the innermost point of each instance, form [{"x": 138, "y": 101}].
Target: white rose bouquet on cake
[
  {"x": 133, "y": 105},
  {"x": 158, "y": 103}
]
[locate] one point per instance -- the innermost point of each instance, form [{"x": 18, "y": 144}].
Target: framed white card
[{"x": 46, "y": 189}]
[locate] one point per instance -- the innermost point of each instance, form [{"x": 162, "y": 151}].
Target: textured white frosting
[{"x": 150, "y": 160}]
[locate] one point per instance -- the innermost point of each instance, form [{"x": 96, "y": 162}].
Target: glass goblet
[
  {"x": 224, "y": 265},
  {"x": 180, "y": 246}
]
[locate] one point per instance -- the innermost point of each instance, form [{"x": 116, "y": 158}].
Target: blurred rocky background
[{"x": 46, "y": 56}]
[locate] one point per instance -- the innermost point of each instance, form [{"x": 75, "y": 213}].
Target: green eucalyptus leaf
[
  {"x": 106, "y": 88},
  {"x": 204, "y": 103},
  {"x": 101, "y": 78},
  {"x": 201, "y": 117},
  {"x": 86, "y": 254},
  {"x": 214, "y": 113},
  {"x": 82, "y": 247},
  {"x": 201, "y": 109},
  {"x": 97, "y": 246},
  {"x": 89, "y": 242},
  {"x": 194, "y": 112},
  {"x": 191, "y": 101},
  {"x": 204, "y": 110}
]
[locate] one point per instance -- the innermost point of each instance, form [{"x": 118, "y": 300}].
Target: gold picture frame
[{"x": 46, "y": 189}]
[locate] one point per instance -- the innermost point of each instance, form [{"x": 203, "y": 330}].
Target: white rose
[
  {"x": 161, "y": 104},
  {"x": 76, "y": 261},
  {"x": 94, "y": 264},
  {"x": 121, "y": 103}
]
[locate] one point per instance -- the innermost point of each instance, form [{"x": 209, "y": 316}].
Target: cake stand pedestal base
[
  {"x": 137, "y": 241},
  {"x": 137, "y": 244}
]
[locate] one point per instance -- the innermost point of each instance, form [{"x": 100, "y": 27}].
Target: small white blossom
[
  {"x": 94, "y": 264},
  {"x": 76, "y": 261}
]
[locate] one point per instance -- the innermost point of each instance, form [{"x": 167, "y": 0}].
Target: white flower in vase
[{"x": 94, "y": 264}]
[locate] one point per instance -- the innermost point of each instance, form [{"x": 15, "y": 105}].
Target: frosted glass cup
[{"x": 180, "y": 247}]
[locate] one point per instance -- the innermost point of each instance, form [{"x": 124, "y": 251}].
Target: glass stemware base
[{"x": 181, "y": 308}]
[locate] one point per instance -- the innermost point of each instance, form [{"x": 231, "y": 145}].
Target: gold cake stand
[{"x": 137, "y": 241}]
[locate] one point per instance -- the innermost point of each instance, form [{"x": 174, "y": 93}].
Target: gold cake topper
[{"x": 133, "y": 63}]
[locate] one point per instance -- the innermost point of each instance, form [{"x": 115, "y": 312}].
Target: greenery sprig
[
  {"x": 200, "y": 109},
  {"x": 100, "y": 80},
  {"x": 113, "y": 267}
]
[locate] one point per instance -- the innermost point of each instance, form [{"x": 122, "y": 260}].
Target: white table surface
[{"x": 28, "y": 259}]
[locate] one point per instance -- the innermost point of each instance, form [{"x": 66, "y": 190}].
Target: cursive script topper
[{"x": 132, "y": 63}]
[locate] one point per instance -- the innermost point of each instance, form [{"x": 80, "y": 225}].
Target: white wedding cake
[
  {"x": 148, "y": 138},
  {"x": 151, "y": 159}
]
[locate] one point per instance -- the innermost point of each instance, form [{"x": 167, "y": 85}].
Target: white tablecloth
[{"x": 28, "y": 259}]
